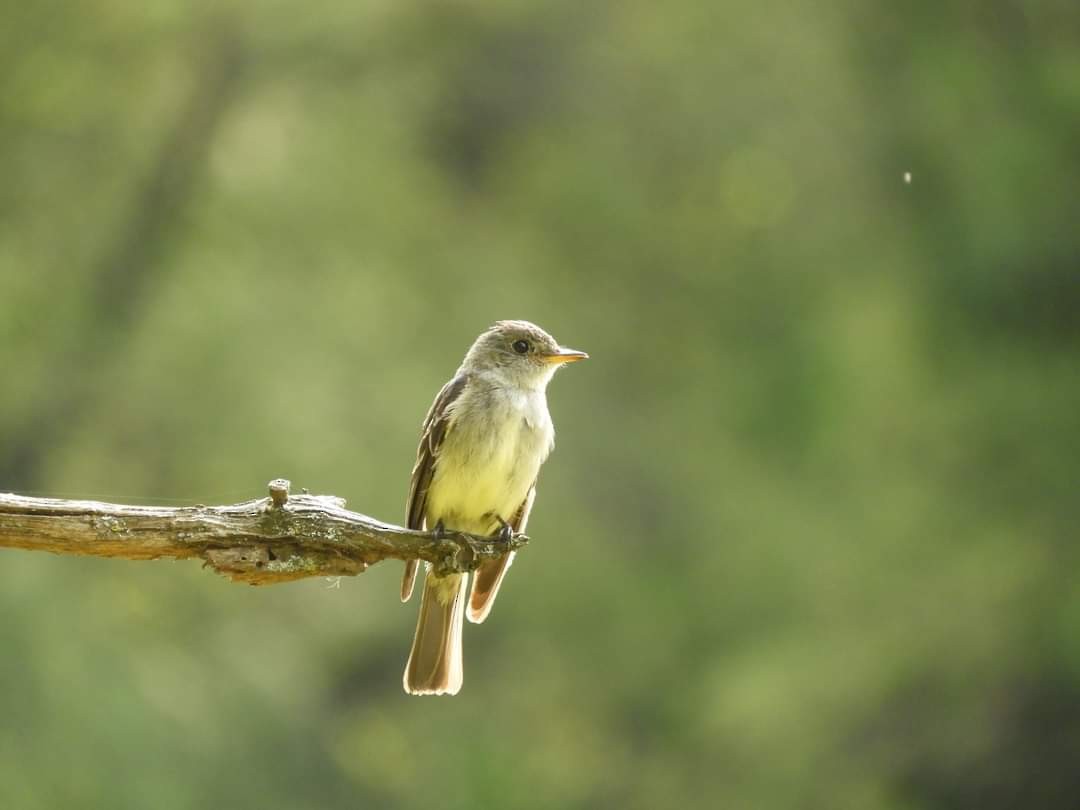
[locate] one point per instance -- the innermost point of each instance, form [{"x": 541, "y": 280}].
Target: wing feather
[{"x": 436, "y": 424}]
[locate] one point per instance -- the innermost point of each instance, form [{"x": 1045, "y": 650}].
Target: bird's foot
[
  {"x": 439, "y": 532},
  {"x": 505, "y": 533}
]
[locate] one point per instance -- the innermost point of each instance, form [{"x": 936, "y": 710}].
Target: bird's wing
[
  {"x": 436, "y": 424},
  {"x": 489, "y": 576}
]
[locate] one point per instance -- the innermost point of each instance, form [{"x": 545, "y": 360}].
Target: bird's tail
[
  {"x": 485, "y": 586},
  {"x": 434, "y": 666}
]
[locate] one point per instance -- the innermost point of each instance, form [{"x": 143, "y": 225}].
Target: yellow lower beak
[{"x": 565, "y": 356}]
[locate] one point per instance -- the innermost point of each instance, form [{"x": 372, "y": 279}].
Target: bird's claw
[
  {"x": 505, "y": 533},
  {"x": 439, "y": 532}
]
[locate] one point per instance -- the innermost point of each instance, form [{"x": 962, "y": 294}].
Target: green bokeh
[{"x": 809, "y": 535}]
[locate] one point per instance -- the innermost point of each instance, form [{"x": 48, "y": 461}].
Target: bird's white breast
[{"x": 496, "y": 441}]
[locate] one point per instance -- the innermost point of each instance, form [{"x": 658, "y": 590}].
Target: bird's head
[{"x": 519, "y": 351}]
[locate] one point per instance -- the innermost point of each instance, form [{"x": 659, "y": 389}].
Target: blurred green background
[{"x": 808, "y": 538}]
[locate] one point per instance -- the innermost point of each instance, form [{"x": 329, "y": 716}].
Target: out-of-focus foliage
[{"x": 809, "y": 536}]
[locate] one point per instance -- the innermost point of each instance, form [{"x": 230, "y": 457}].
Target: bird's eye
[{"x": 521, "y": 346}]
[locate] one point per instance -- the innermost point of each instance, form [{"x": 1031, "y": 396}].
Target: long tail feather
[{"x": 434, "y": 666}]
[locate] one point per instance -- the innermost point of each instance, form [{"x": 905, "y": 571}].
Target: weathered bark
[{"x": 276, "y": 539}]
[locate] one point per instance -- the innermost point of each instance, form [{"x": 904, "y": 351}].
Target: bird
[{"x": 483, "y": 442}]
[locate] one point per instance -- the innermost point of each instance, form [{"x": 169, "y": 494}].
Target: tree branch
[{"x": 262, "y": 542}]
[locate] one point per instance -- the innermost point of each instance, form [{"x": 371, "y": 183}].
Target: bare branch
[{"x": 276, "y": 539}]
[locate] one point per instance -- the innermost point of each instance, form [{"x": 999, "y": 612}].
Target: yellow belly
[{"x": 483, "y": 473}]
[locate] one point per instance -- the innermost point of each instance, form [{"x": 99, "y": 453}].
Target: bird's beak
[{"x": 565, "y": 356}]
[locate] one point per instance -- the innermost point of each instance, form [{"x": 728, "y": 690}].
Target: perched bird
[{"x": 483, "y": 441}]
